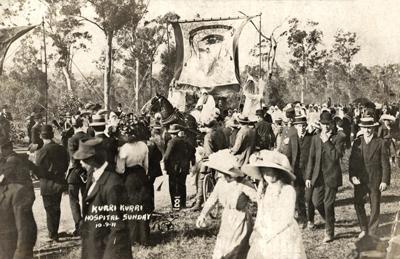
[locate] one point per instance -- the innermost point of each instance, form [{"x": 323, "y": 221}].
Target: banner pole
[
  {"x": 259, "y": 42},
  {"x": 45, "y": 70}
]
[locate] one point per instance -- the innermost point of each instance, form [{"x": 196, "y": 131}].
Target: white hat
[
  {"x": 367, "y": 122},
  {"x": 224, "y": 162},
  {"x": 203, "y": 91},
  {"x": 387, "y": 117},
  {"x": 269, "y": 159}
]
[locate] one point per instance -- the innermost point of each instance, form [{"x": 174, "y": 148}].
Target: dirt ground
[{"x": 185, "y": 241}]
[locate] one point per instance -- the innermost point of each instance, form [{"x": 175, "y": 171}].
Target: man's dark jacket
[
  {"x": 178, "y": 155},
  {"x": 370, "y": 162},
  {"x": 52, "y": 161},
  {"x": 325, "y": 158},
  {"x": 17, "y": 225},
  {"x": 111, "y": 239}
]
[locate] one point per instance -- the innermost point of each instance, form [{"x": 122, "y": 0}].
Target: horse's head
[{"x": 155, "y": 103}]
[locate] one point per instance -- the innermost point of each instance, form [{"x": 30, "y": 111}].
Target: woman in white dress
[
  {"x": 253, "y": 98},
  {"x": 234, "y": 194},
  {"x": 276, "y": 234}
]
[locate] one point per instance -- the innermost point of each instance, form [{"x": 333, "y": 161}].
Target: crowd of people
[{"x": 288, "y": 160}]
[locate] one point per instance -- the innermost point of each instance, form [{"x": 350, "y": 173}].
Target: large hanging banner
[
  {"x": 207, "y": 55},
  {"x": 8, "y": 36}
]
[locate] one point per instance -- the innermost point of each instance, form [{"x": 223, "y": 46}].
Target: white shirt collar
[
  {"x": 368, "y": 139},
  {"x": 99, "y": 172}
]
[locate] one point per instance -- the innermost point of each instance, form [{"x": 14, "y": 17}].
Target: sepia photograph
[{"x": 223, "y": 129}]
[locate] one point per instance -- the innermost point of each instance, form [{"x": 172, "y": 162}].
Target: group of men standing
[{"x": 316, "y": 160}]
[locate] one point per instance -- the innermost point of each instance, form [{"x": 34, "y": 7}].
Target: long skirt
[{"x": 139, "y": 195}]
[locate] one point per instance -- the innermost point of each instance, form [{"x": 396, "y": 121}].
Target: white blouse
[{"x": 131, "y": 154}]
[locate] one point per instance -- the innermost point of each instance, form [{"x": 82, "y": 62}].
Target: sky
[{"x": 377, "y": 24}]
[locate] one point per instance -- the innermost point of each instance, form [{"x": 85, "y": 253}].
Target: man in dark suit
[
  {"x": 287, "y": 130},
  {"x": 177, "y": 158},
  {"x": 108, "y": 237},
  {"x": 244, "y": 142},
  {"x": 17, "y": 225},
  {"x": 265, "y": 137},
  {"x": 297, "y": 153},
  {"x": 76, "y": 176},
  {"x": 37, "y": 142},
  {"x": 109, "y": 144},
  {"x": 214, "y": 140},
  {"x": 52, "y": 160},
  {"x": 369, "y": 171},
  {"x": 323, "y": 171}
]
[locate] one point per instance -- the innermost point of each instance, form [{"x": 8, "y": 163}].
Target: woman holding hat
[
  {"x": 276, "y": 233},
  {"x": 234, "y": 194}
]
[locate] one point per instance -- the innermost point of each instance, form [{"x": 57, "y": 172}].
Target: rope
[{"x": 87, "y": 81}]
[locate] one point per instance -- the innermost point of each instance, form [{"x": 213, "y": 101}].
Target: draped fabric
[
  {"x": 7, "y": 37},
  {"x": 207, "y": 55}
]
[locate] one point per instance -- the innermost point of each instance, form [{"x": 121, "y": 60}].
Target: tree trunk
[
  {"x": 108, "y": 69},
  {"x": 151, "y": 80},
  {"x": 303, "y": 86},
  {"x": 137, "y": 86},
  {"x": 67, "y": 79}
]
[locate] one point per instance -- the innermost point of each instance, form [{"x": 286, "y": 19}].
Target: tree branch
[
  {"x": 255, "y": 26},
  {"x": 92, "y": 22}
]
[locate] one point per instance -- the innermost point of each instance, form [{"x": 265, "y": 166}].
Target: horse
[{"x": 171, "y": 115}]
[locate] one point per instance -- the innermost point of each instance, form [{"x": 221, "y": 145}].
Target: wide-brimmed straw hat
[
  {"x": 268, "y": 159},
  {"x": 224, "y": 162},
  {"x": 87, "y": 148},
  {"x": 387, "y": 117},
  {"x": 368, "y": 122}
]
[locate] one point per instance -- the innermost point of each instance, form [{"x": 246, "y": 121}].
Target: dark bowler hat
[
  {"x": 87, "y": 148},
  {"x": 46, "y": 131},
  {"x": 260, "y": 112},
  {"x": 290, "y": 113},
  {"x": 300, "y": 120},
  {"x": 325, "y": 117},
  {"x": 98, "y": 120},
  {"x": 367, "y": 122}
]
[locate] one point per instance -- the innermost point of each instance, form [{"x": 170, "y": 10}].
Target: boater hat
[
  {"x": 387, "y": 117},
  {"x": 243, "y": 119},
  {"x": 268, "y": 159},
  {"x": 368, "y": 122},
  {"x": 174, "y": 128},
  {"x": 224, "y": 162},
  {"x": 98, "y": 120},
  {"x": 300, "y": 120}
]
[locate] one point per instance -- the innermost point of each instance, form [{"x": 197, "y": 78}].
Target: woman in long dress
[
  {"x": 234, "y": 194},
  {"x": 133, "y": 163},
  {"x": 253, "y": 98},
  {"x": 276, "y": 234}
]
